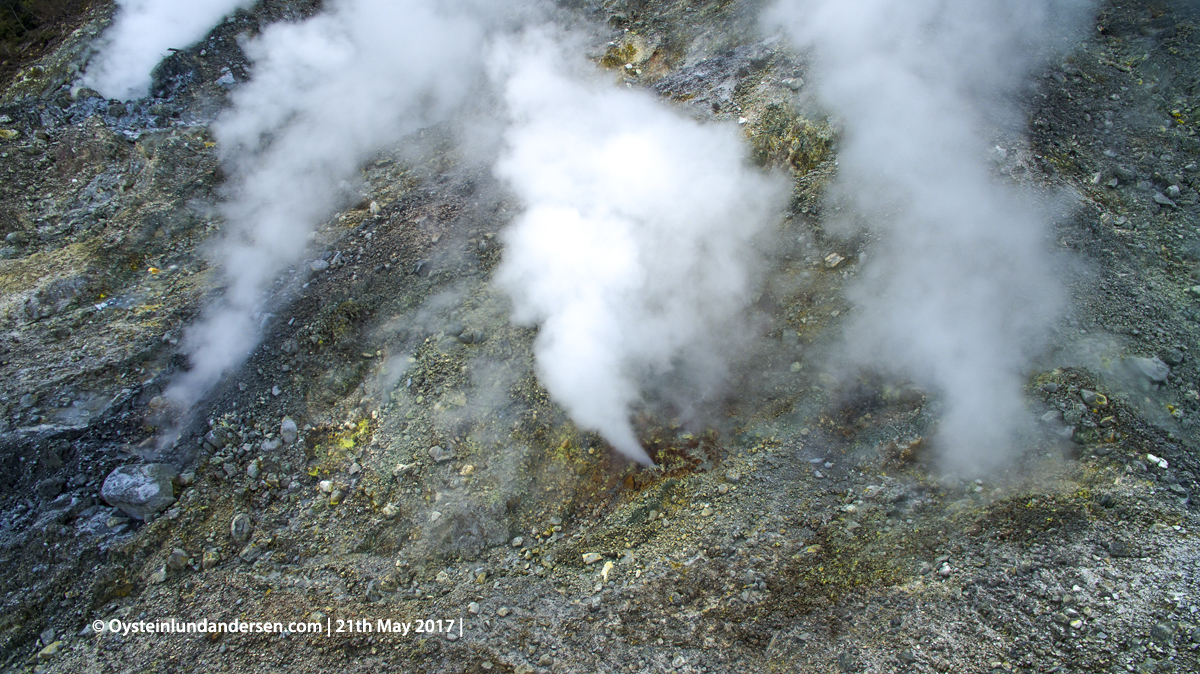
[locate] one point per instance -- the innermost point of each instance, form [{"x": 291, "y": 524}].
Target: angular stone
[
  {"x": 240, "y": 528},
  {"x": 140, "y": 490},
  {"x": 219, "y": 437},
  {"x": 1160, "y": 198},
  {"x": 1151, "y": 368},
  {"x": 250, "y": 553}
]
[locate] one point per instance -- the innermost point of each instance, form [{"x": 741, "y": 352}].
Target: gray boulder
[
  {"x": 1151, "y": 368},
  {"x": 140, "y": 490},
  {"x": 219, "y": 437},
  {"x": 288, "y": 430}
]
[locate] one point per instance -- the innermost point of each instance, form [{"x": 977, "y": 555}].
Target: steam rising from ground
[
  {"x": 960, "y": 285},
  {"x": 142, "y": 33},
  {"x": 325, "y": 94},
  {"x": 634, "y": 252},
  {"x": 634, "y": 255}
]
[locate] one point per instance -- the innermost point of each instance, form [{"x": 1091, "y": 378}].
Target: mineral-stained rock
[
  {"x": 140, "y": 490},
  {"x": 250, "y": 553}
]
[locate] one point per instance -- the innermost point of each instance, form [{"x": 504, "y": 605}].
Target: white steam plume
[
  {"x": 324, "y": 95},
  {"x": 960, "y": 285},
  {"x": 142, "y": 33},
  {"x": 633, "y": 253}
]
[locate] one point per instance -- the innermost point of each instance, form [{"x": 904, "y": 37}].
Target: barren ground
[{"x": 799, "y": 527}]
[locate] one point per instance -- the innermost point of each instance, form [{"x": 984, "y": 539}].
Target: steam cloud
[
  {"x": 960, "y": 285},
  {"x": 634, "y": 254},
  {"x": 142, "y": 33},
  {"x": 634, "y": 251},
  {"x": 325, "y": 95}
]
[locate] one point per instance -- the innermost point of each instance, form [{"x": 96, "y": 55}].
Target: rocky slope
[{"x": 387, "y": 453}]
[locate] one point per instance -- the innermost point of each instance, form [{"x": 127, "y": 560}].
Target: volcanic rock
[{"x": 140, "y": 490}]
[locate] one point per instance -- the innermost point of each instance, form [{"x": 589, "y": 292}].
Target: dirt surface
[{"x": 799, "y": 526}]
